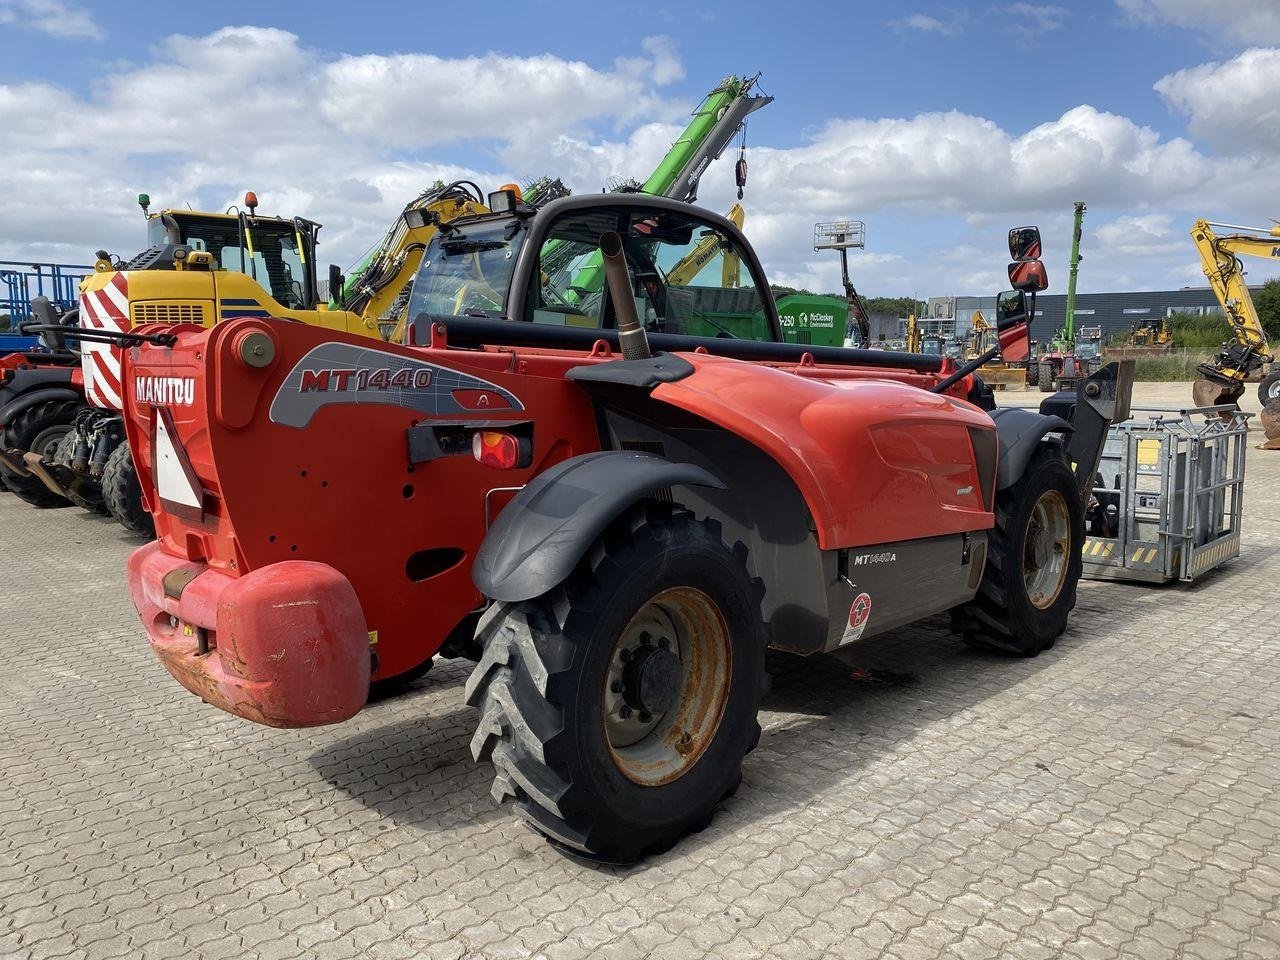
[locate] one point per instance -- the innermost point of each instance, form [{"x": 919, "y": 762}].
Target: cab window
[
  {"x": 687, "y": 275},
  {"x": 275, "y": 261}
]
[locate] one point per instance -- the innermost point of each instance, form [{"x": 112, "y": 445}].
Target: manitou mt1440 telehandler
[{"x": 614, "y": 518}]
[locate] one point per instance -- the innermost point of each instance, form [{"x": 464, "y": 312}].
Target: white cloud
[
  {"x": 958, "y": 163},
  {"x": 207, "y": 116},
  {"x": 965, "y": 172},
  {"x": 348, "y": 140},
  {"x": 1245, "y": 21},
  {"x": 421, "y": 99},
  {"x": 923, "y": 23},
  {"x": 53, "y": 17},
  {"x": 1033, "y": 19},
  {"x": 1233, "y": 105}
]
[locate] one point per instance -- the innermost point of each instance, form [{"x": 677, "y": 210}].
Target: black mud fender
[
  {"x": 540, "y": 536},
  {"x": 10, "y": 407},
  {"x": 1020, "y": 432}
]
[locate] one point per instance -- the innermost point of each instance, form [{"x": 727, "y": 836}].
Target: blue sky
[{"x": 940, "y": 124}]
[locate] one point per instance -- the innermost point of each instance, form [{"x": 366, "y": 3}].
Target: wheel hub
[
  {"x": 666, "y": 685},
  {"x": 1045, "y": 549},
  {"x": 651, "y": 680},
  {"x": 1040, "y": 548}
]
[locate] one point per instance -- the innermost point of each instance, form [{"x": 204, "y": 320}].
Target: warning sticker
[{"x": 859, "y": 614}]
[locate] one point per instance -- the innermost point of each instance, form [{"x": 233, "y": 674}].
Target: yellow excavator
[
  {"x": 976, "y": 343},
  {"x": 1248, "y": 353}
]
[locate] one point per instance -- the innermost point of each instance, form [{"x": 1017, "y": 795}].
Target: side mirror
[
  {"x": 336, "y": 282},
  {"x": 1024, "y": 243},
  {"x": 1028, "y": 276},
  {"x": 1013, "y": 324}
]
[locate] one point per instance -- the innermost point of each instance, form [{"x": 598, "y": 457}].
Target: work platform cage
[{"x": 1169, "y": 494}]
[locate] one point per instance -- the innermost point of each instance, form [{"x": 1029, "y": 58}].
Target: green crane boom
[
  {"x": 1068, "y": 334},
  {"x": 704, "y": 139}
]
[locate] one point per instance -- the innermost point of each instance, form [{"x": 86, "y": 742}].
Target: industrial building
[{"x": 1114, "y": 312}]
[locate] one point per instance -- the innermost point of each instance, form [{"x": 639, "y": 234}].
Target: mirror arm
[{"x": 966, "y": 368}]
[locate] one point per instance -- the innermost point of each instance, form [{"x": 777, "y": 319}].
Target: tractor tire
[
  {"x": 1269, "y": 388},
  {"x": 65, "y": 451},
  {"x": 1033, "y": 563},
  {"x": 122, "y": 493},
  {"x": 617, "y": 708},
  {"x": 39, "y": 429},
  {"x": 1033, "y": 373},
  {"x": 1045, "y": 379}
]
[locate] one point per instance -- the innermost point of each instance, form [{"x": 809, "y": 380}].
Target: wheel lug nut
[
  {"x": 645, "y": 716},
  {"x": 644, "y": 636},
  {"x": 624, "y": 711},
  {"x": 615, "y": 687},
  {"x": 663, "y": 643}
]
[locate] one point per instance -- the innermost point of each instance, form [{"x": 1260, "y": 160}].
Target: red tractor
[
  {"x": 613, "y": 518},
  {"x": 41, "y": 391}
]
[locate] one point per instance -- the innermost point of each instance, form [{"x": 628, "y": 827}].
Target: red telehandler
[{"x": 612, "y": 517}]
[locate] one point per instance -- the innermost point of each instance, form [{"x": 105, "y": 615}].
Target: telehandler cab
[{"x": 612, "y": 516}]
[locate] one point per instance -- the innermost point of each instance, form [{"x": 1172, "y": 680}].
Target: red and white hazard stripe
[{"x": 105, "y": 309}]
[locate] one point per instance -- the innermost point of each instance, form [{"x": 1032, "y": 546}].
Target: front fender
[
  {"x": 541, "y": 535},
  {"x": 1020, "y": 432},
  {"x": 30, "y": 398}
]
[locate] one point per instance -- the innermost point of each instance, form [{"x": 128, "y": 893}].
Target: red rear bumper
[{"x": 285, "y": 646}]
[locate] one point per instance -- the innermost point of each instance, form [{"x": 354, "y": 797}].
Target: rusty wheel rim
[
  {"x": 1046, "y": 549},
  {"x": 666, "y": 686}
]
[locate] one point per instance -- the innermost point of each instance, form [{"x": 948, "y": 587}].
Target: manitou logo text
[
  {"x": 165, "y": 391},
  {"x": 350, "y": 380}
]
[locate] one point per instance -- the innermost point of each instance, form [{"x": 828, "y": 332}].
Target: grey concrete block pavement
[{"x": 1116, "y": 796}]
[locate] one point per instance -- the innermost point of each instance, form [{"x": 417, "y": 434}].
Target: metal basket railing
[{"x": 1168, "y": 496}]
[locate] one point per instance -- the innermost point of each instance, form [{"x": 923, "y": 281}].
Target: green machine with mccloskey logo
[{"x": 808, "y": 318}]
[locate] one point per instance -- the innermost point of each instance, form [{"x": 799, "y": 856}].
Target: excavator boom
[{"x": 1246, "y": 354}]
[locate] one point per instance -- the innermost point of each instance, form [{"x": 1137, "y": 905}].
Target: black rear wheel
[
  {"x": 1033, "y": 562},
  {"x": 39, "y": 429},
  {"x": 617, "y": 708},
  {"x": 122, "y": 493}
]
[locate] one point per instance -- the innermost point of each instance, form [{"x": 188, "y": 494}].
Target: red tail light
[{"x": 496, "y": 449}]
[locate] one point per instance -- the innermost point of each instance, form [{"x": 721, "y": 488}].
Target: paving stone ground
[{"x": 1113, "y": 797}]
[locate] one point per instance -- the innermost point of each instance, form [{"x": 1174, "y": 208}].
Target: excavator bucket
[
  {"x": 1210, "y": 393},
  {"x": 1270, "y": 420}
]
